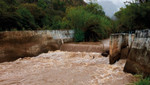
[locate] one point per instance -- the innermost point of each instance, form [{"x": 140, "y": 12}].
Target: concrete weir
[
  {"x": 119, "y": 46},
  {"x": 139, "y": 57},
  {"x": 134, "y": 47}
]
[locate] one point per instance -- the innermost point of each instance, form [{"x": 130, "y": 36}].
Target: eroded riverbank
[{"x": 64, "y": 68}]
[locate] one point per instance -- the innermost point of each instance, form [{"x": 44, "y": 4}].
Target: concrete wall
[
  {"x": 134, "y": 47},
  {"x": 58, "y": 34},
  {"x": 118, "y": 47},
  {"x": 139, "y": 57},
  {"x": 18, "y": 44}
]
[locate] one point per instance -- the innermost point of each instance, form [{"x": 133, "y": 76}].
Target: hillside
[{"x": 33, "y": 14}]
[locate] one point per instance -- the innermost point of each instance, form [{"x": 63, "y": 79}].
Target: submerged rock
[{"x": 105, "y": 53}]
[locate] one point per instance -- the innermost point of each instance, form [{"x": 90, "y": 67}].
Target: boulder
[{"x": 105, "y": 53}]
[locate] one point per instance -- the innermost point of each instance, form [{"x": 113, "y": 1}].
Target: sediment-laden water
[{"x": 64, "y": 68}]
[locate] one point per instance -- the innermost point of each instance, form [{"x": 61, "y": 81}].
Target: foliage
[
  {"x": 42, "y": 4},
  {"x": 78, "y": 35},
  {"x": 34, "y": 14},
  {"x": 88, "y": 20},
  {"x": 94, "y": 24},
  {"x": 95, "y": 9},
  {"x": 27, "y": 19},
  {"x": 40, "y": 16},
  {"x": 145, "y": 81},
  {"x": 134, "y": 16},
  {"x": 8, "y": 16},
  {"x": 12, "y": 19}
]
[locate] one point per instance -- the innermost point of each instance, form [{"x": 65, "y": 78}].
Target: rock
[
  {"x": 139, "y": 57},
  {"x": 19, "y": 44},
  {"x": 105, "y": 54}
]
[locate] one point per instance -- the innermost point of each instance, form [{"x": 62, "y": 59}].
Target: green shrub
[
  {"x": 78, "y": 35},
  {"x": 145, "y": 81}
]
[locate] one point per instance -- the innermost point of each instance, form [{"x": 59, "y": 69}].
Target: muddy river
[{"x": 64, "y": 68}]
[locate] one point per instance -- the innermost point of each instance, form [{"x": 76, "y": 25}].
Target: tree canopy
[{"x": 134, "y": 16}]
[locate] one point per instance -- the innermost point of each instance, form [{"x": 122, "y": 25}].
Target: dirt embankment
[{"x": 19, "y": 44}]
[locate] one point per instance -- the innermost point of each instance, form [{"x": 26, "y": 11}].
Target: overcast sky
[{"x": 111, "y": 6}]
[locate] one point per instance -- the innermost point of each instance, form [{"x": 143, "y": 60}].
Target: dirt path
[{"x": 64, "y": 68}]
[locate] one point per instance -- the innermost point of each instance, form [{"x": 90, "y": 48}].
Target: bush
[
  {"x": 78, "y": 35},
  {"x": 145, "y": 81}
]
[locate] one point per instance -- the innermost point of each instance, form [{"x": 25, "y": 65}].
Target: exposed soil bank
[
  {"x": 64, "y": 68},
  {"x": 19, "y": 44}
]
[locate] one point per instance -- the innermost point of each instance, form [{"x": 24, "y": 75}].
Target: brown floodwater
[{"x": 64, "y": 68}]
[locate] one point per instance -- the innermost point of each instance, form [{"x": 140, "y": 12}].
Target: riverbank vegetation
[
  {"x": 88, "y": 20},
  {"x": 142, "y": 81},
  {"x": 145, "y": 81},
  {"x": 133, "y": 17}
]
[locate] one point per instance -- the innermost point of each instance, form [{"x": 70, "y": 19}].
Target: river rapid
[{"x": 64, "y": 68}]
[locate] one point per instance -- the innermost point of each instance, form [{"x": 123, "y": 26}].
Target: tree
[
  {"x": 94, "y": 24},
  {"x": 95, "y": 8},
  {"x": 133, "y": 17},
  {"x": 42, "y": 4},
  {"x": 27, "y": 19},
  {"x": 11, "y": 2},
  {"x": 8, "y": 16},
  {"x": 143, "y": 1}
]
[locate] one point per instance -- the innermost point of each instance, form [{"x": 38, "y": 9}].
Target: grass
[
  {"x": 141, "y": 80},
  {"x": 145, "y": 81}
]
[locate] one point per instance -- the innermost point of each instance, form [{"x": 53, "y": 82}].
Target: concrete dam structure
[
  {"x": 138, "y": 60},
  {"x": 135, "y": 48}
]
